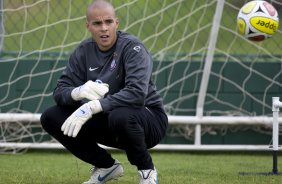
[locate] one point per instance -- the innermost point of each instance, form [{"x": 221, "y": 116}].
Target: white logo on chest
[{"x": 137, "y": 48}]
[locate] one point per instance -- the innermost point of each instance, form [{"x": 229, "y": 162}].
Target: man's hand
[
  {"x": 73, "y": 124},
  {"x": 90, "y": 90}
]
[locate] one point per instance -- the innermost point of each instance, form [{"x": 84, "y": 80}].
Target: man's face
[{"x": 103, "y": 24}]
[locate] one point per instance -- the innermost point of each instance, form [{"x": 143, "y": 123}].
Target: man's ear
[
  {"x": 117, "y": 22},
  {"x": 87, "y": 25}
]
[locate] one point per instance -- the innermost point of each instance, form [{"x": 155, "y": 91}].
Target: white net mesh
[{"x": 37, "y": 36}]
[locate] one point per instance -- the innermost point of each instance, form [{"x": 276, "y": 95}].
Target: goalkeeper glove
[
  {"x": 74, "y": 122},
  {"x": 90, "y": 90}
]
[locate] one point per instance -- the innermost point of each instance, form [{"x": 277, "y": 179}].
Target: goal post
[
  {"x": 173, "y": 120},
  {"x": 276, "y": 105},
  {"x": 1, "y": 26},
  {"x": 207, "y": 67},
  {"x": 213, "y": 81}
]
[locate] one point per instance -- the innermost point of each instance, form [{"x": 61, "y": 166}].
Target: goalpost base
[
  {"x": 260, "y": 173},
  {"x": 276, "y": 104}
]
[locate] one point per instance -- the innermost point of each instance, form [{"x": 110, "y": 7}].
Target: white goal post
[{"x": 173, "y": 120}]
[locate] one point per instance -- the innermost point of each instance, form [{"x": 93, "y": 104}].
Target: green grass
[{"x": 173, "y": 167}]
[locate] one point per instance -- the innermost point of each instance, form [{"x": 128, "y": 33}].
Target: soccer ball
[{"x": 257, "y": 20}]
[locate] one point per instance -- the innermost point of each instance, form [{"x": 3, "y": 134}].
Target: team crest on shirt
[{"x": 114, "y": 63}]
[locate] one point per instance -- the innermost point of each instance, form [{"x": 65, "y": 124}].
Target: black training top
[{"x": 126, "y": 67}]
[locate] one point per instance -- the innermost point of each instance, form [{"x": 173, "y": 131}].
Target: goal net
[{"x": 202, "y": 66}]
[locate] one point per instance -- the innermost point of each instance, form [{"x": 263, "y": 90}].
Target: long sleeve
[{"x": 72, "y": 76}]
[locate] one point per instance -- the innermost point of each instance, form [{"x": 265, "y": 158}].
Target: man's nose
[{"x": 104, "y": 26}]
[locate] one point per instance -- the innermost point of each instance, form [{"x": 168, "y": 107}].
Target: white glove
[
  {"x": 90, "y": 90},
  {"x": 74, "y": 122}
]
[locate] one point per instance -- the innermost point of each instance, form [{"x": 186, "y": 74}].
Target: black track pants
[{"x": 132, "y": 129}]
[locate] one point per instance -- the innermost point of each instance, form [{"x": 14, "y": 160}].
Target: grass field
[
  {"x": 48, "y": 167},
  {"x": 56, "y": 26}
]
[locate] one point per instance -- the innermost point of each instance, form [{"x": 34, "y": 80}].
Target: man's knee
[
  {"x": 52, "y": 118},
  {"x": 45, "y": 119}
]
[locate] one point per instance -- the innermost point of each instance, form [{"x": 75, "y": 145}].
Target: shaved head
[
  {"x": 102, "y": 23},
  {"x": 99, "y": 4}
]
